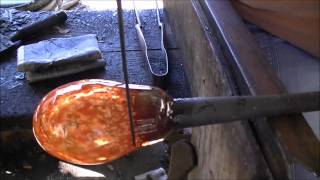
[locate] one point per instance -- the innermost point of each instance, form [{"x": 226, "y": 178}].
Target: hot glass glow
[{"x": 86, "y": 122}]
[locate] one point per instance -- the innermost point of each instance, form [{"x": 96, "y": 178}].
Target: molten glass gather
[{"x": 87, "y": 122}]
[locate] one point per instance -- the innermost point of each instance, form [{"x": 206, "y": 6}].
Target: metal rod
[
  {"x": 125, "y": 68},
  {"x": 163, "y": 48},
  {"x": 158, "y": 13},
  {"x": 190, "y": 112},
  {"x": 136, "y": 12}
]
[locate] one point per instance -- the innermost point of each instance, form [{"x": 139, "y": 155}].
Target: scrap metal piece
[
  {"x": 57, "y": 51},
  {"x": 125, "y": 69},
  {"x": 156, "y": 174},
  {"x": 69, "y": 4},
  {"x": 33, "y": 5},
  {"x": 14, "y": 3},
  {"x": 51, "y": 6},
  {"x": 157, "y": 75}
]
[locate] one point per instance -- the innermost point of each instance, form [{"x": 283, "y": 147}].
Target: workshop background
[{"x": 292, "y": 55}]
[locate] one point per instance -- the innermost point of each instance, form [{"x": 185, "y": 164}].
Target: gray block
[
  {"x": 64, "y": 70},
  {"x": 56, "y": 52}
]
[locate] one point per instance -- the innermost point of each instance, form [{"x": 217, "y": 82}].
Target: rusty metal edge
[{"x": 294, "y": 140}]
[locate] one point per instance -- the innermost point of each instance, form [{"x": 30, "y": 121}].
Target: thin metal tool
[
  {"x": 163, "y": 48},
  {"x": 157, "y": 75},
  {"x": 125, "y": 69}
]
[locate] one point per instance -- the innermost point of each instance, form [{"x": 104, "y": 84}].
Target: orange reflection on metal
[
  {"x": 148, "y": 143},
  {"x": 86, "y": 122}
]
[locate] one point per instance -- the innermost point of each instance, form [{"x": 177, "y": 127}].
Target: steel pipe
[{"x": 190, "y": 112}]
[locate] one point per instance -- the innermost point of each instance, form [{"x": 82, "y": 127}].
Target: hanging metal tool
[
  {"x": 158, "y": 75},
  {"x": 125, "y": 68}
]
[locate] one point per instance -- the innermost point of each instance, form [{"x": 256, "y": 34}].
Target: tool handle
[
  {"x": 50, "y": 21},
  {"x": 190, "y": 112}
]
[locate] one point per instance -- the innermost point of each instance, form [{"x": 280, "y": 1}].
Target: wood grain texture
[
  {"x": 298, "y": 22},
  {"x": 226, "y": 151},
  {"x": 283, "y": 139},
  {"x": 306, "y": 8}
]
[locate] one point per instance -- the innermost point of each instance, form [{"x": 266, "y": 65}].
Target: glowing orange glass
[{"x": 87, "y": 122}]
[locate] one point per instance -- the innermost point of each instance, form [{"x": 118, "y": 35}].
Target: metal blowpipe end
[{"x": 190, "y": 112}]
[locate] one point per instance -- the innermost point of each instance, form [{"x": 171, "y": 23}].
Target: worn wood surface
[
  {"x": 283, "y": 139},
  {"x": 298, "y": 22},
  {"x": 226, "y": 151}
]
